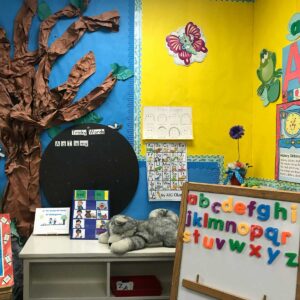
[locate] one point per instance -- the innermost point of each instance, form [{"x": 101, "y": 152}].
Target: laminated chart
[
  {"x": 90, "y": 213},
  {"x": 166, "y": 170}
]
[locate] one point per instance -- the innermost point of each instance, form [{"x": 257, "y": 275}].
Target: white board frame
[{"x": 224, "y": 190}]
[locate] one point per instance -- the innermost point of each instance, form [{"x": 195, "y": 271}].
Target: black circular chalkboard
[{"x": 89, "y": 157}]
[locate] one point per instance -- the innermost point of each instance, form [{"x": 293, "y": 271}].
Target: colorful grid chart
[
  {"x": 166, "y": 170},
  {"x": 90, "y": 213}
]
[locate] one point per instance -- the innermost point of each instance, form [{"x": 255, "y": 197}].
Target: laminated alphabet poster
[
  {"x": 90, "y": 214},
  {"x": 237, "y": 241},
  {"x": 166, "y": 170}
]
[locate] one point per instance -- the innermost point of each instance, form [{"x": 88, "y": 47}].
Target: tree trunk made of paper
[{"x": 28, "y": 106}]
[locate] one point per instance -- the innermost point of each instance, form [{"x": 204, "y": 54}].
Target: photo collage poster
[
  {"x": 166, "y": 170},
  {"x": 90, "y": 213}
]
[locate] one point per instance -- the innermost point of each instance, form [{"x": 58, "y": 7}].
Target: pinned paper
[
  {"x": 187, "y": 45},
  {"x": 167, "y": 122}
]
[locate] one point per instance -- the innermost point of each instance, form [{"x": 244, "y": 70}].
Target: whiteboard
[{"x": 254, "y": 271}]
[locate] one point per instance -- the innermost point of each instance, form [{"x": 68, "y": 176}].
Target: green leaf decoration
[
  {"x": 121, "y": 72},
  {"x": 14, "y": 232},
  {"x": 44, "y": 11},
  {"x": 91, "y": 117},
  {"x": 81, "y": 4},
  {"x": 278, "y": 73},
  {"x": 274, "y": 91},
  {"x": 54, "y": 131},
  {"x": 260, "y": 90}
]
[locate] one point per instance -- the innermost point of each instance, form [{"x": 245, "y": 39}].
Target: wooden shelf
[{"x": 57, "y": 268}]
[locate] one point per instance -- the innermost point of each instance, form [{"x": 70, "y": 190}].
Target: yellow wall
[
  {"x": 220, "y": 88},
  {"x": 271, "y": 18}
]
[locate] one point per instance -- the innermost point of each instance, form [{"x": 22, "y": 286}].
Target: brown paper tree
[{"x": 28, "y": 106}]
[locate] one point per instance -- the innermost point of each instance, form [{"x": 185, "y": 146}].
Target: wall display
[
  {"x": 230, "y": 236},
  {"x": 269, "y": 89},
  {"x": 40, "y": 106},
  {"x": 291, "y": 72},
  {"x": 294, "y": 27},
  {"x": 288, "y": 142},
  {"x": 89, "y": 156},
  {"x": 166, "y": 170},
  {"x": 168, "y": 123},
  {"x": 90, "y": 213},
  {"x": 6, "y": 261},
  {"x": 187, "y": 45},
  {"x": 52, "y": 220}
]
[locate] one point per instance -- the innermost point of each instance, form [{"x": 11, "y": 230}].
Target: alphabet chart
[
  {"x": 166, "y": 170},
  {"x": 237, "y": 241}
]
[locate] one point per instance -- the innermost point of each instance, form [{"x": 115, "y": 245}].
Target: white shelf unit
[{"x": 57, "y": 268}]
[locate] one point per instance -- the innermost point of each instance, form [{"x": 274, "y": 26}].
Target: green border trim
[
  {"x": 276, "y": 184},
  {"x": 137, "y": 77},
  {"x": 237, "y": 0}
]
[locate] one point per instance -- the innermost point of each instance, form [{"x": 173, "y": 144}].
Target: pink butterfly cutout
[{"x": 192, "y": 31}]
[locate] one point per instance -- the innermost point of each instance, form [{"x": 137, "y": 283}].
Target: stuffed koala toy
[{"x": 126, "y": 234}]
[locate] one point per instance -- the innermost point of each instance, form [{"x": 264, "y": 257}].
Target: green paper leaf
[
  {"x": 44, "y": 11},
  {"x": 54, "y": 131},
  {"x": 274, "y": 91},
  {"x": 14, "y": 232},
  {"x": 260, "y": 90},
  {"x": 91, "y": 117},
  {"x": 114, "y": 67},
  {"x": 79, "y": 4},
  {"x": 121, "y": 72}
]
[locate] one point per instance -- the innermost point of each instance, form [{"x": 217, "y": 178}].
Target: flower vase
[{"x": 234, "y": 180}]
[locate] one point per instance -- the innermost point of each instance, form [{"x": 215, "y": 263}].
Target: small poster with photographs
[
  {"x": 52, "y": 220},
  {"x": 90, "y": 213}
]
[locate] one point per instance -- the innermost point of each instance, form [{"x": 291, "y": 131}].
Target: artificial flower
[{"x": 236, "y": 132}]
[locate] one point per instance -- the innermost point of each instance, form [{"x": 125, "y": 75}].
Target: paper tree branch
[
  {"x": 4, "y": 48},
  {"x": 88, "y": 103},
  {"x": 27, "y": 105},
  {"x": 83, "y": 69},
  {"x": 49, "y": 23},
  {"x": 22, "y": 27}
]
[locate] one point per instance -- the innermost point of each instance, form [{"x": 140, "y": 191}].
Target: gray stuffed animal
[{"x": 126, "y": 234}]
